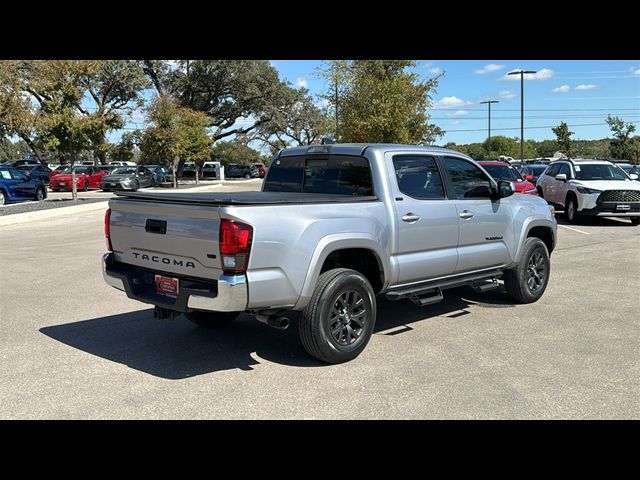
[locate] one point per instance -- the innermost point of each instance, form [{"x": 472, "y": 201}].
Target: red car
[
  {"x": 261, "y": 169},
  {"x": 504, "y": 171},
  {"x": 86, "y": 177}
]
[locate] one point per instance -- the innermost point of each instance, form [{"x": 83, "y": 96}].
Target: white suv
[{"x": 591, "y": 187}]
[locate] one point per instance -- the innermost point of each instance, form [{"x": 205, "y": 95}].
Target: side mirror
[
  {"x": 505, "y": 189},
  {"x": 562, "y": 177},
  {"x": 633, "y": 176}
]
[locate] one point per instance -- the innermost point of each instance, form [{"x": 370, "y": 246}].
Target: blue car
[{"x": 15, "y": 186}]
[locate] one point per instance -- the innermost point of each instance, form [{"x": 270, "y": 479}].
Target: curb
[
  {"x": 50, "y": 213},
  {"x": 62, "y": 211}
]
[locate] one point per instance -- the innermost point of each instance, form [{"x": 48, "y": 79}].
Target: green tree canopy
[
  {"x": 563, "y": 139},
  {"x": 622, "y": 144},
  {"x": 381, "y": 101},
  {"x": 234, "y": 151}
]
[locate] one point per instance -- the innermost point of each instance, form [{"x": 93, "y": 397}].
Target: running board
[{"x": 430, "y": 292}]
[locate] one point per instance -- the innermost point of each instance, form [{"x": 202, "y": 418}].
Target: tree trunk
[
  {"x": 74, "y": 189},
  {"x": 196, "y": 174},
  {"x": 102, "y": 156},
  {"x": 33, "y": 148},
  {"x": 174, "y": 164}
]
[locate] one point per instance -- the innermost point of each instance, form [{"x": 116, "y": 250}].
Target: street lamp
[
  {"x": 489, "y": 102},
  {"x": 522, "y": 73}
]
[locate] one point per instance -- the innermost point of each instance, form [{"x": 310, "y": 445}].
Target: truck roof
[{"x": 359, "y": 148}]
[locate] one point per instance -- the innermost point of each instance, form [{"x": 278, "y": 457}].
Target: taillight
[
  {"x": 235, "y": 245},
  {"x": 107, "y": 229}
]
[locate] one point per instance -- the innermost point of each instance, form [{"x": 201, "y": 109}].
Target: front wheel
[
  {"x": 338, "y": 322},
  {"x": 135, "y": 186},
  {"x": 40, "y": 194},
  {"x": 86, "y": 186},
  {"x": 571, "y": 209},
  {"x": 527, "y": 281},
  {"x": 211, "y": 319},
  {"x": 3, "y": 199}
]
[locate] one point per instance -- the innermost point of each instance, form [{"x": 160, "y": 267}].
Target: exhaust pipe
[
  {"x": 164, "y": 313},
  {"x": 273, "y": 318},
  {"x": 280, "y": 323}
]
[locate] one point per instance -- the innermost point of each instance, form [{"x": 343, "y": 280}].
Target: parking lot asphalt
[{"x": 73, "y": 347}]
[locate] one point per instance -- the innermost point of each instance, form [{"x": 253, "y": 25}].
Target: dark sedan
[
  {"x": 15, "y": 186},
  {"x": 128, "y": 178},
  {"x": 161, "y": 175},
  {"x": 532, "y": 172},
  {"x": 36, "y": 171}
]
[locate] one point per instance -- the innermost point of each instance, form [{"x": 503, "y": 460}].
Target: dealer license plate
[{"x": 167, "y": 286}]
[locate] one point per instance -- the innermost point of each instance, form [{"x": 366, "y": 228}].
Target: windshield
[
  {"x": 503, "y": 172},
  {"x": 79, "y": 170},
  {"x": 538, "y": 170},
  {"x": 124, "y": 171},
  {"x": 599, "y": 172}
]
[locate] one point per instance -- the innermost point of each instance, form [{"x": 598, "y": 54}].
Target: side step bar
[{"x": 430, "y": 292}]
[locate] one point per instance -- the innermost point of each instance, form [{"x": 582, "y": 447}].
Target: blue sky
[{"x": 579, "y": 92}]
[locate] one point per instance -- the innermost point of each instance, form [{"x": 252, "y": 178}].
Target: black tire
[
  {"x": 3, "y": 198},
  {"x": 351, "y": 290},
  {"x": 135, "y": 186},
  {"x": 211, "y": 319},
  {"x": 540, "y": 192},
  {"x": 528, "y": 280},
  {"x": 40, "y": 194},
  {"x": 106, "y": 190},
  {"x": 571, "y": 210},
  {"x": 85, "y": 186},
  {"x": 635, "y": 220},
  {"x": 246, "y": 175}
]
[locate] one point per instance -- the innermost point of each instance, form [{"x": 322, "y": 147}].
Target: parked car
[
  {"x": 108, "y": 168},
  {"x": 57, "y": 169},
  {"x": 189, "y": 170},
  {"x": 15, "y": 186},
  {"x": 86, "y": 177},
  {"x": 128, "y": 178},
  {"x": 533, "y": 171},
  {"x": 19, "y": 163},
  {"x": 236, "y": 170},
  {"x": 161, "y": 175},
  {"x": 210, "y": 169},
  {"x": 629, "y": 168},
  {"x": 262, "y": 170},
  {"x": 591, "y": 187},
  {"x": 504, "y": 171},
  {"x": 333, "y": 227},
  {"x": 123, "y": 164},
  {"x": 36, "y": 171}
]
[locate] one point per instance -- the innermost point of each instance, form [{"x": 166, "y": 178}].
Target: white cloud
[
  {"x": 544, "y": 74},
  {"x": 634, "y": 71},
  {"x": 490, "y": 68},
  {"x": 459, "y": 113},
  {"x": 561, "y": 89},
  {"x": 450, "y": 102},
  {"x": 455, "y": 122},
  {"x": 507, "y": 94},
  {"x": 301, "y": 82},
  {"x": 435, "y": 70},
  {"x": 323, "y": 103},
  {"x": 590, "y": 86}
]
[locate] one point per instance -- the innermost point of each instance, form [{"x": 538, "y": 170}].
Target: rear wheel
[
  {"x": 337, "y": 323},
  {"x": 528, "y": 280},
  {"x": 571, "y": 210},
  {"x": 211, "y": 319},
  {"x": 635, "y": 220}
]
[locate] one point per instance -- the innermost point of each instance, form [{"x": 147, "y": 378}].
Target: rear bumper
[{"x": 228, "y": 294}]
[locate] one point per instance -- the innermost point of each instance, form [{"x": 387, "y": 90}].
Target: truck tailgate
[{"x": 167, "y": 237}]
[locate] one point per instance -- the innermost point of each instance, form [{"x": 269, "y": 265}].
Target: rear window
[{"x": 334, "y": 174}]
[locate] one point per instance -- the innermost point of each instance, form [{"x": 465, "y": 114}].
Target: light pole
[
  {"x": 522, "y": 73},
  {"x": 489, "y": 102}
]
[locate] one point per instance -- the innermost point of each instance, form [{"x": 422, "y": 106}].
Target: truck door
[
  {"x": 427, "y": 221},
  {"x": 486, "y": 225}
]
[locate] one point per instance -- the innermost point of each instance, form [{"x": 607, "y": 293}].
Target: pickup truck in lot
[{"x": 333, "y": 227}]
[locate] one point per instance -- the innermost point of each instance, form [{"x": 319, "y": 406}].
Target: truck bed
[{"x": 244, "y": 198}]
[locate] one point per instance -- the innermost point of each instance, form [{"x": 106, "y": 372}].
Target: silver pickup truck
[{"x": 333, "y": 227}]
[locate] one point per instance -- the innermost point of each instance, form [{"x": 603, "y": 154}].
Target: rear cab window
[{"x": 328, "y": 174}]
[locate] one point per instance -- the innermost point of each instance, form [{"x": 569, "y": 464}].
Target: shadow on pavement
[
  {"x": 179, "y": 349},
  {"x": 594, "y": 221}
]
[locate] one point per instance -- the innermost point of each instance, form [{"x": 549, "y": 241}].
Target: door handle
[
  {"x": 466, "y": 214},
  {"x": 410, "y": 217}
]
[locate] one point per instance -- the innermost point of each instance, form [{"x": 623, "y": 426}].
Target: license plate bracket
[{"x": 167, "y": 286}]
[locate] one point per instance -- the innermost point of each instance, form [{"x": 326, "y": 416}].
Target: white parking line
[{"x": 574, "y": 229}]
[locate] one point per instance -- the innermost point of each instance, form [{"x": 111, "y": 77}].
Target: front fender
[{"x": 331, "y": 243}]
